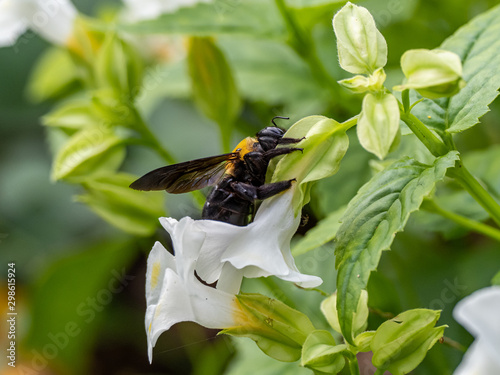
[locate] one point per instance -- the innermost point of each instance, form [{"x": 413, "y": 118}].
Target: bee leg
[
  {"x": 287, "y": 141},
  {"x": 256, "y": 164},
  {"x": 251, "y": 192},
  {"x": 280, "y": 151}
]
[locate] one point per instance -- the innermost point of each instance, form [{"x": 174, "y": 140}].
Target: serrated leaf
[
  {"x": 251, "y": 17},
  {"x": 89, "y": 151},
  {"x": 129, "y": 210},
  {"x": 477, "y": 44},
  {"x": 319, "y": 235},
  {"x": 379, "y": 210}
]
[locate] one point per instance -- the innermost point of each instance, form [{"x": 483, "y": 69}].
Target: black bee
[{"x": 239, "y": 176}]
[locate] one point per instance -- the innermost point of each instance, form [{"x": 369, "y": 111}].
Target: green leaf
[
  {"x": 132, "y": 211},
  {"x": 72, "y": 115},
  {"x": 325, "y": 145},
  {"x": 477, "y": 44},
  {"x": 271, "y": 71},
  {"x": 378, "y": 123},
  {"x": 361, "y": 47},
  {"x": 214, "y": 90},
  {"x": 91, "y": 150},
  {"x": 496, "y": 279},
  {"x": 250, "y": 17},
  {"x": 69, "y": 301},
  {"x": 249, "y": 360},
  {"x": 379, "y": 210},
  {"x": 54, "y": 75},
  {"x": 400, "y": 344},
  {"x": 319, "y": 235},
  {"x": 278, "y": 330},
  {"x": 321, "y": 354},
  {"x": 119, "y": 67}
]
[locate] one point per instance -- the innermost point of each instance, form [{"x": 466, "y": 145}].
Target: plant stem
[
  {"x": 423, "y": 133},
  {"x": 346, "y": 125},
  {"x": 303, "y": 45},
  {"x": 431, "y": 206},
  {"x": 476, "y": 190},
  {"x": 453, "y": 344},
  {"x": 379, "y": 372},
  {"x": 353, "y": 364}
]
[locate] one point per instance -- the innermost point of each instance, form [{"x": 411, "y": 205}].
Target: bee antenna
[{"x": 281, "y": 117}]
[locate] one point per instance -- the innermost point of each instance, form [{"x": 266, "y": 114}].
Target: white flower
[
  {"x": 260, "y": 249},
  {"x": 52, "y": 19},
  {"x": 138, "y": 10},
  {"x": 174, "y": 294},
  {"x": 480, "y": 315}
]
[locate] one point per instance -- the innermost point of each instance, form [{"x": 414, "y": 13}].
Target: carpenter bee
[{"x": 238, "y": 177}]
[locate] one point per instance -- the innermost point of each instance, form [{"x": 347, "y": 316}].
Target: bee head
[{"x": 269, "y": 137}]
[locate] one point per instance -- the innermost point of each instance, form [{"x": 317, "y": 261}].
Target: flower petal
[{"x": 261, "y": 248}]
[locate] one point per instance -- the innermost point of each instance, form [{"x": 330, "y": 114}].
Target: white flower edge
[
  {"x": 260, "y": 249},
  {"x": 139, "y": 10},
  {"x": 52, "y": 19},
  {"x": 479, "y": 313},
  {"x": 173, "y": 294}
]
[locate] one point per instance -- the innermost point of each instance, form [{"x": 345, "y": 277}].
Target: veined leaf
[
  {"x": 251, "y": 17},
  {"x": 477, "y": 44},
  {"x": 90, "y": 150},
  {"x": 379, "y": 210},
  {"x": 129, "y": 210}
]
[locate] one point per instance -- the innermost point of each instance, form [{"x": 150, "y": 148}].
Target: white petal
[
  {"x": 477, "y": 361},
  {"x": 53, "y": 20},
  {"x": 138, "y": 10},
  {"x": 479, "y": 313},
  {"x": 261, "y": 248},
  {"x": 159, "y": 261},
  {"x": 12, "y": 23}
]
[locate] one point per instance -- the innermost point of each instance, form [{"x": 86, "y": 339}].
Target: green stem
[
  {"x": 423, "y": 133},
  {"x": 303, "y": 45},
  {"x": 353, "y": 363},
  {"x": 453, "y": 344},
  {"x": 476, "y": 190},
  {"x": 431, "y": 206},
  {"x": 379, "y": 372},
  {"x": 346, "y": 125}
]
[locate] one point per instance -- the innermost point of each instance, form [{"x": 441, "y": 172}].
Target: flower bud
[
  {"x": 400, "y": 344},
  {"x": 360, "y": 84},
  {"x": 278, "y": 330},
  {"x": 329, "y": 310},
  {"x": 361, "y": 47},
  {"x": 433, "y": 73},
  {"x": 321, "y": 354}
]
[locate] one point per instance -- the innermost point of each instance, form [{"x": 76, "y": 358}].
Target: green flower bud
[
  {"x": 360, "y": 84},
  {"x": 361, "y": 47},
  {"x": 329, "y": 310},
  {"x": 400, "y": 344},
  {"x": 278, "y": 330},
  {"x": 378, "y": 123},
  {"x": 433, "y": 73},
  {"x": 321, "y": 354}
]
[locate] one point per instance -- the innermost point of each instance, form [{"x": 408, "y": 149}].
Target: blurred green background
[{"x": 80, "y": 282}]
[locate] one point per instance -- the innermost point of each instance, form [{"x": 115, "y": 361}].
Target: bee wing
[{"x": 187, "y": 176}]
